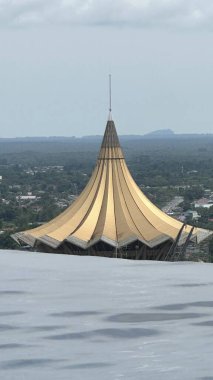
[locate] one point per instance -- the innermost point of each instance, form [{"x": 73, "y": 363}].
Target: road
[{"x": 172, "y": 204}]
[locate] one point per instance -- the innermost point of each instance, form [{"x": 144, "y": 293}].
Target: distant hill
[{"x": 160, "y": 134}]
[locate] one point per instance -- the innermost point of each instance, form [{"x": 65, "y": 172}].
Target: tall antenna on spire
[{"x": 110, "y": 98}]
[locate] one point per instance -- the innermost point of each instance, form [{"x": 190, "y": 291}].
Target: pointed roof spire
[
  {"x": 110, "y": 139},
  {"x": 110, "y": 98}
]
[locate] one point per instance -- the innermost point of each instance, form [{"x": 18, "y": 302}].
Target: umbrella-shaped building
[{"x": 112, "y": 217}]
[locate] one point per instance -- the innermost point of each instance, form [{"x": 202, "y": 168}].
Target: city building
[{"x": 203, "y": 202}]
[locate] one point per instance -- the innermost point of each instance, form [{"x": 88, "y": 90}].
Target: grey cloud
[{"x": 144, "y": 13}]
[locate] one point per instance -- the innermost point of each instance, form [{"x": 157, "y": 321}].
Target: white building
[
  {"x": 26, "y": 197},
  {"x": 203, "y": 202}
]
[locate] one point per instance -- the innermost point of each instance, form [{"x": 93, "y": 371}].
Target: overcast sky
[{"x": 55, "y": 57}]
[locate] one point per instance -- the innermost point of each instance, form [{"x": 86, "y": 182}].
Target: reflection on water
[
  {"x": 115, "y": 321},
  {"x": 8, "y": 313},
  {"x": 4, "y": 327},
  {"x": 7, "y": 346},
  {"x": 11, "y": 292},
  {"x": 151, "y": 317},
  {"x": 181, "y": 306},
  {"x": 88, "y": 365},
  {"x": 68, "y": 314},
  {"x": 15, "y": 364},
  {"x": 113, "y": 333},
  {"x": 193, "y": 285}
]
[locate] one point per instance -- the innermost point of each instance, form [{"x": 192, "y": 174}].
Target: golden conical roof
[{"x": 111, "y": 208}]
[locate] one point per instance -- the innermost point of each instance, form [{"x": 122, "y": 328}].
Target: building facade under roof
[{"x": 112, "y": 216}]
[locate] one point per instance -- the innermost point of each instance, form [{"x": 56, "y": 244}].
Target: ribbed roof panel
[{"x": 111, "y": 208}]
